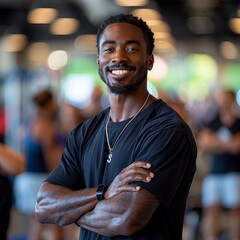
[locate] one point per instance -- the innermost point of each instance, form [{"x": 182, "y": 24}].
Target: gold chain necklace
[{"x": 120, "y": 134}]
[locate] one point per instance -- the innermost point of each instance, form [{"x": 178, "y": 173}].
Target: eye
[
  {"x": 108, "y": 49},
  {"x": 132, "y": 49}
]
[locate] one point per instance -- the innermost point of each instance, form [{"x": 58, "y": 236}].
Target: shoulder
[
  {"x": 164, "y": 123},
  {"x": 163, "y": 116}
]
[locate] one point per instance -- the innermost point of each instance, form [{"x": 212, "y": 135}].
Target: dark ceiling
[{"x": 176, "y": 13}]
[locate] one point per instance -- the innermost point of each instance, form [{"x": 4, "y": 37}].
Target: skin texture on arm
[
  {"x": 124, "y": 214},
  {"x": 11, "y": 162},
  {"x": 63, "y": 206}
]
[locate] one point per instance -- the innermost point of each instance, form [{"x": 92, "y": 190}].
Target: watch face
[{"x": 100, "y": 191}]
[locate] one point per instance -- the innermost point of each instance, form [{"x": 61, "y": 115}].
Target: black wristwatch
[{"x": 101, "y": 189}]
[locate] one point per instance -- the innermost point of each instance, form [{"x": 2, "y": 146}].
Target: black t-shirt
[
  {"x": 224, "y": 162},
  {"x": 157, "y": 135}
]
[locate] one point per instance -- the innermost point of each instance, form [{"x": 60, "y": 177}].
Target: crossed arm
[{"x": 125, "y": 209}]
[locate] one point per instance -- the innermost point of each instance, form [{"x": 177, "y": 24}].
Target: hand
[{"x": 137, "y": 171}]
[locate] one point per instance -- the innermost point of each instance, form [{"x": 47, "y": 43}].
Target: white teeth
[{"x": 119, "y": 72}]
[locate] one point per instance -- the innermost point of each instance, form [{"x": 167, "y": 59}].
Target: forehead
[{"x": 123, "y": 32}]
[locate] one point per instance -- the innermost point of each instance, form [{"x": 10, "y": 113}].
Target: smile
[{"x": 119, "y": 72}]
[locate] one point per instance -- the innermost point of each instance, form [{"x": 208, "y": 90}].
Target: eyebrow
[{"x": 127, "y": 42}]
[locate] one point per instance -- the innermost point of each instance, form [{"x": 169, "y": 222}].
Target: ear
[{"x": 150, "y": 62}]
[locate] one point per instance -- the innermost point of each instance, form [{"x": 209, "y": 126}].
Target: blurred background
[{"x": 51, "y": 44}]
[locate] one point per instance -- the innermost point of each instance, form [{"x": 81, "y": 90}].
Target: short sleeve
[
  {"x": 68, "y": 172},
  {"x": 172, "y": 153}
]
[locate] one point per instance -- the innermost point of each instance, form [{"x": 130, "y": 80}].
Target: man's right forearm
[{"x": 60, "y": 205}]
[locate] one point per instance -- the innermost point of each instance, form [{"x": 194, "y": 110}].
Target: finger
[
  {"x": 131, "y": 188},
  {"x": 139, "y": 164},
  {"x": 138, "y": 178},
  {"x": 139, "y": 175},
  {"x": 139, "y": 171},
  {"x": 112, "y": 191},
  {"x": 136, "y": 169},
  {"x": 142, "y": 164}
]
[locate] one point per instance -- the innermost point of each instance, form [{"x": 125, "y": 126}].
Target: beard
[{"x": 128, "y": 88}]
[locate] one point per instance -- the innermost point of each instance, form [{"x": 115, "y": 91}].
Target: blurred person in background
[
  {"x": 221, "y": 187},
  {"x": 69, "y": 116},
  {"x": 96, "y": 103},
  {"x": 43, "y": 145},
  {"x": 11, "y": 164},
  {"x": 2, "y": 123},
  {"x": 125, "y": 173}
]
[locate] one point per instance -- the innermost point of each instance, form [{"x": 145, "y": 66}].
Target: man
[
  {"x": 126, "y": 172},
  {"x": 220, "y": 138},
  {"x": 12, "y": 163}
]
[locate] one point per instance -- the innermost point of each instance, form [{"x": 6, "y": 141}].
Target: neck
[{"x": 125, "y": 107}]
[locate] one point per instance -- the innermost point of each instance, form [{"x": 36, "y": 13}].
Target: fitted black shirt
[{"x": 157, "y": 135}]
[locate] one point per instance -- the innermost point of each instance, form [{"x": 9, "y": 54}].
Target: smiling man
[{"x": 126, "y": 172}]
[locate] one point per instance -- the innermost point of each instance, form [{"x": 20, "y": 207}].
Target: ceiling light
[
  {"x": 228, "y": 50},
  {"x": 14, "y": 42},
  {"x": 86, "y": 43},
  {"x": 57, "y": 60},
  {"x": 147, "y": 14},
  {"x": 64, "y": 26},
  {"x": 38, "y": 52},
  {"x": 158, "y": 25},
  {"x": 234, "y": 24},
  {"x": 42, "y": 15},
  {"x": 162, "y": 35},
  {"x": 132, "y": 3}
]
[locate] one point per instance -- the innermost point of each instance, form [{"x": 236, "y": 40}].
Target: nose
[{"x": 120, "y": 55}]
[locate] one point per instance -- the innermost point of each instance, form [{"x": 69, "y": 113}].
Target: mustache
[{"x": 120, "y": 65}]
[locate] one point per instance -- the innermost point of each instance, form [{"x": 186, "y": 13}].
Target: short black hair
[
  {"x": 129, "y": 18},
  {"x": 43, "y": 98}
]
